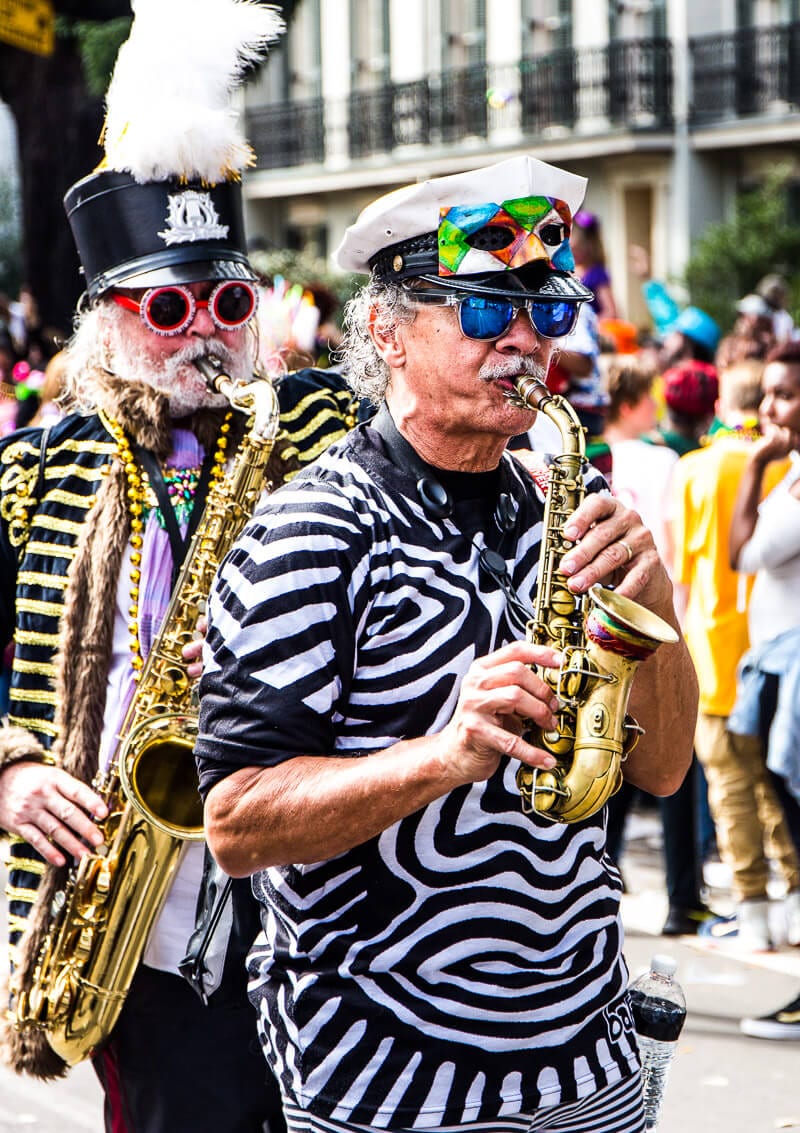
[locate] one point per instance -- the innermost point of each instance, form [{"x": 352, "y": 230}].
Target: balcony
[
  {"x": 625, "y": 86},
  {"x": 753, "y": 71},
  {"x": 287, "y": 134}
]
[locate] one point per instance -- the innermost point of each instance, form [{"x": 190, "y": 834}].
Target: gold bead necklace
[{"x": 137, "y": 496}]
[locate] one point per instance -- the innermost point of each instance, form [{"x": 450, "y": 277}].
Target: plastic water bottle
[{"x": 658, "y": 1007}]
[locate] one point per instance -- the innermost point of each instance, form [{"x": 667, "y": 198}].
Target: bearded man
[{"x": 95, "y": 518}]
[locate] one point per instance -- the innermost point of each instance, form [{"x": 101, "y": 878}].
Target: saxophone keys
[
  {"x": 85, "y": 941},
  {"x": 174, "y": 681},
  {"x": 558, "y": 743},
  {"x": 562, "y": 606},
  {"x": 598, "y": 721}
]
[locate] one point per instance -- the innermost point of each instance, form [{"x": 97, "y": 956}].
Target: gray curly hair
[{"x": 366, "y": 372}]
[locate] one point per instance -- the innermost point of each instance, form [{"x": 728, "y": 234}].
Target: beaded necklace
[
  {"x": 138, "y": 493},
  {"x": 747, "y": 431}
]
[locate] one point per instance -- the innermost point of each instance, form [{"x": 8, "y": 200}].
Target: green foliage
[
  {"x": 730, "y": 258},
  {"x": 305, "y": 269},
  {"x": 10, "y": 239},
  {"x": 99, "y": 42}
]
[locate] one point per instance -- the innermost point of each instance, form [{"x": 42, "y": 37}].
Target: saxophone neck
[
  {"x": 532, "y": 393},
  {"x": 257, "y": 398}
]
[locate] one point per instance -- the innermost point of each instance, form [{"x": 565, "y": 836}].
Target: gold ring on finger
[{"x": 628, "y": 548}]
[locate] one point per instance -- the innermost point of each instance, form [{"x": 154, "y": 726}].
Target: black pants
[
  {"x": 173, "y": 1065},
  {"x": 788, "y": 801},
  {"x": 678, "y": 814}
]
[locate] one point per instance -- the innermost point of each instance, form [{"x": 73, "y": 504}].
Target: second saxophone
[{"x": 101, "y": 919}]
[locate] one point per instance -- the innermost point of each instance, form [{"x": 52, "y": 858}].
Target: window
[
  {"x": 293, "y": 69},
  {"x": 546, "y": 26},
  {"x": 766, "y": 13},
  {"x": 463, "y": 24},
  {"x": 305, "y": 51},
  {"x": 369, "y": 43},
  {"x": 637, "y": 19}
]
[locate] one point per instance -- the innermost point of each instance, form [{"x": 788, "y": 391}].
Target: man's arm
[{"x": 311, "y": 808}]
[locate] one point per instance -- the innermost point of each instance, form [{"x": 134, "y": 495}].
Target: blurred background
[{"x": 685, "y": 118}]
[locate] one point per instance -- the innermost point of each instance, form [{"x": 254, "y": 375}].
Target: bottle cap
[{"x": 664, "y": 965}]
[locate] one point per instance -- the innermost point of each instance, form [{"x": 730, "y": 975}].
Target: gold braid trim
[{"x": 17, "y": 481}]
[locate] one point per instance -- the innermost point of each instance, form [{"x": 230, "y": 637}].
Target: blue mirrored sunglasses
[{"x": 485, "y": 319}]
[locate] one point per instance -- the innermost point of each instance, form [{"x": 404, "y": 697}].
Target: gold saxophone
[
  {"x": 103, "y": 916},
  {"x": 603, "y": 637}
]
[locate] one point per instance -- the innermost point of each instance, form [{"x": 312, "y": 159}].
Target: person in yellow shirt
[{"x": 748, "y": 818}]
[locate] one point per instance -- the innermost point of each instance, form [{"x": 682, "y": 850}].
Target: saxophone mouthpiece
[
  {"x": 210, "y": 366},
  {"x": 528, "y": 393}
]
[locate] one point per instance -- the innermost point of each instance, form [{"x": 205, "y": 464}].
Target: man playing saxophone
[
  {"x": 432, "y": 955},
  {"x": 95, "y": 519}
]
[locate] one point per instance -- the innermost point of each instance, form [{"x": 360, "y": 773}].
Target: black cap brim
[
  {"x": 212, "y": 270},
  {"x": 535, "y": 281}
]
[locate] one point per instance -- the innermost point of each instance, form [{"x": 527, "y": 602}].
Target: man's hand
[
  {"x": 193, "y": 652},
  {"x": 50, "y": 809},
  {"x": 614, "y": 546},
  {"x": 498, "y": 694}
]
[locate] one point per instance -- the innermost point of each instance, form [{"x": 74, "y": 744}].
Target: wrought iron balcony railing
[
  {"x": 750, "y": 71},
  {"x": 287, "y": 134},
  {"x": 627, "y": 85}
]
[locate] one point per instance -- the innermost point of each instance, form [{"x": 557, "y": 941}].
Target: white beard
[{"x": 181, "y": 382}]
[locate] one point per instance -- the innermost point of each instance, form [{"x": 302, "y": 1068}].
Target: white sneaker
[
  {"x": 745, "y": 931},
  {"x": 753, "y": 926},
  {"x": 791, "y": 907},
  {"x": 781, "y": 1024}
]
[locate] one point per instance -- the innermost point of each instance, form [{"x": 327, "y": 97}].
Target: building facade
[{"x": 669, "y": 107}]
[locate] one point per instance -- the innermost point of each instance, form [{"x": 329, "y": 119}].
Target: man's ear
[{"x": 388, "y": 342}]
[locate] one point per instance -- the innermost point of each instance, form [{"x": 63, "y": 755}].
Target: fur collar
[{"x": 143, "y": 412}]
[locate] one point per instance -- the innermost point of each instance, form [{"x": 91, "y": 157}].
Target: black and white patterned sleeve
[{"x": 278, "y": 659}]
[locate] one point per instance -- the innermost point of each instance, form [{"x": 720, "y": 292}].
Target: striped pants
[{"x": 614, "y": 1109}]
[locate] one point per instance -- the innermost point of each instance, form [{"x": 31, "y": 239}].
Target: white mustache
[
  {"x": 523, "y": 364},
  {"x": 207, "y": 349}
]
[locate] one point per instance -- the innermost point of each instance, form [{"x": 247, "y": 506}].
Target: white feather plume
[{"x": 168, "y": 106}]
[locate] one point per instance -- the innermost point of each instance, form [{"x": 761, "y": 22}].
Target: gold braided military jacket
[{"x": 64, "y": 525}]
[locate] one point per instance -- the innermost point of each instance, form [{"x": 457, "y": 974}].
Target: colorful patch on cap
[{"x": 501, "y": 237}]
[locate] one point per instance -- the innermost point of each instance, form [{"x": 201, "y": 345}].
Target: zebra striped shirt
[{"x": 465, "y": 964}]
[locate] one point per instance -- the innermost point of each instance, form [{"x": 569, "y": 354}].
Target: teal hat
[{"x": 699, "y": 326}]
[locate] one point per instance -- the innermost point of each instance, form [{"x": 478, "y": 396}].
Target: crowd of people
[
  {"x": 30, "y": 364},
  {"x": 425, "y": 944},
  {"x": 699, "y": 431}
]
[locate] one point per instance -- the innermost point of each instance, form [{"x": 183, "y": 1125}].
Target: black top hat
[{"x": 130, "y": 234}]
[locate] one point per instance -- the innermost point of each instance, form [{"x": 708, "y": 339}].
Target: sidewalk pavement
[{"x": 721, "y": 1080}]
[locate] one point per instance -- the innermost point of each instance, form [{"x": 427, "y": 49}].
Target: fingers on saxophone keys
[
  {"x": 73, "y": 842},
  {"x": 44, "y": 842},
  {"x": 529, "y": 755},
  {"x": 75, "y": 826},
  {"x": 84, "y": 799}
]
